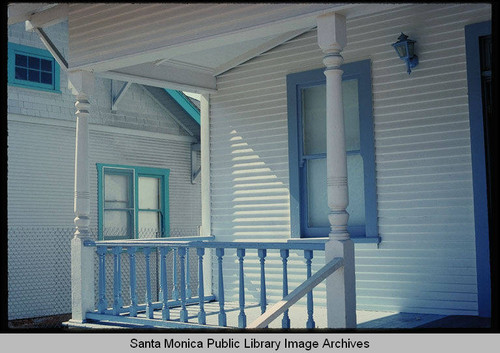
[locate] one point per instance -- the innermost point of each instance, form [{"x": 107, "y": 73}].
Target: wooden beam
[
  {"x": 50, "y": 16},
  {"x": 280, "y": 307},
  {"x": 170, "y": 114},
  {"x": 167, "y": 81},
  {"x": 117, "y": 93},
  {"x": 51, "y": 47},
  {"x": 259, "y": 50}
]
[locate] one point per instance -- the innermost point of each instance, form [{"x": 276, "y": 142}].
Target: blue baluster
[
  {"x": 263, "y": 303},
  {"x": 285, "y": 322},
  {"x": 242, "y": 318},
  {"x": 149, "y": 306},
  {"x": 133, "y": 281},
  {"x": 182, "y": 259},
  {"x": 102, "y": 303},
  {"x": 201, "y": 290},
  {"x": 308, "y": 254},
  {"x": 222, "y": 314},
  {"x": 175, "y": 292},
  {"x": 165, "y": 313},
  {"x": 117, "y": 283},
  {"x": 188, "y": 275}
]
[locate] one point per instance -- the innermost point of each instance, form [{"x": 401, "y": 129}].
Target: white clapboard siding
[
  {"x": 426, "y": 260},
  {"x": 106, "y": 31},
  {"x": 40, "y": 192}
]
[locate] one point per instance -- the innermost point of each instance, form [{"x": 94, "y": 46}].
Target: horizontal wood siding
[
  {"x": 426, "y": 261},
  {"x": 105, "y": 31},
  {"x": 40, "y": 192}
]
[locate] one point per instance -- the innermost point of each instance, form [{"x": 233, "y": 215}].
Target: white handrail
[{"x": 280, "y": 307}]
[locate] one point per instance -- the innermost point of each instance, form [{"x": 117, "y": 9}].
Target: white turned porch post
[
  {"x": 340, "y": 286},
  {"x": 82, "y": 258},
  {"x": 205, "y": 188}
]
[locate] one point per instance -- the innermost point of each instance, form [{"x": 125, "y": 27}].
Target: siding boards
[
  {"x": 107, "y": 33},
  {"x": 426, "y": 261}
]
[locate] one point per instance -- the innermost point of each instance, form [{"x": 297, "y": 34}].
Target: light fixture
[{"x": 406, "y": 50}]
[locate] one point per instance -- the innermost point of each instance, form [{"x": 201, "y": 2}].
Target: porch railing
[{"x": 142, "y": 313}]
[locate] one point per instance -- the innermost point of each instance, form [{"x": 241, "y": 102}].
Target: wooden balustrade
[{"x": 181, "y": 295}]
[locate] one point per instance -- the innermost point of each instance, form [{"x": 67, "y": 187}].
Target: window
[
  {"x": 132, "y": 202},
  {"x": 32, "y": 67},
  {"x": 307, "y": 152}
]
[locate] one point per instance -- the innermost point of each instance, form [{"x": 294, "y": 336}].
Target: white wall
[
  {"x": 426, "y": 261},
  {"x": 40, "y": 187}
]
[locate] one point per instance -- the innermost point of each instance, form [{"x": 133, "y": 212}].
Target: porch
[
  {"x": 182, "y": 302},
  {"x": 366, "y": 320},
  {"x": 169, "y": 298}
]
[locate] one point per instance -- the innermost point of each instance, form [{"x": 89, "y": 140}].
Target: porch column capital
[
  {"x": 81, "y": 82},
  {"x": 332, "y": 36}
]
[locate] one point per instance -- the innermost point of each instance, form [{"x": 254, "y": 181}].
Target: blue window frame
[
  {"x": 32, "y": 68},
  {"x": 307, "y": 153},
  {"x": 133, "y": 202}
]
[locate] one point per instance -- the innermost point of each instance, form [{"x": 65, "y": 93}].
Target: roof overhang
[{"x": 156, "y": 47}]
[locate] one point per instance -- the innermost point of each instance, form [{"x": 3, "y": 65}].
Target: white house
[
  {"x": 134, "y": 129},
  {"x": 326, "y": 160}
]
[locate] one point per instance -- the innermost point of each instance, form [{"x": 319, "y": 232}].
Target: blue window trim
[
  {"x": 360, "y": 70},
  {"x": 137, "y": 171},
  {"x": 479, "y": 180},
  {"x": 13, "y": 49},
  {"x": 181, "y": 99}
]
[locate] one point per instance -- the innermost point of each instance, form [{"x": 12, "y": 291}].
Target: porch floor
[{"x": 369, "y": 320}]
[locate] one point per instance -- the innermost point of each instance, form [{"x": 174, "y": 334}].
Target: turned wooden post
[
  {"x": 82, "y": 258},
  {"x": 340, "y": 286}
]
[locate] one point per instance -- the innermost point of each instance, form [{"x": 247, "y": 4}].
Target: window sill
[{"x": 360, "y": 242}]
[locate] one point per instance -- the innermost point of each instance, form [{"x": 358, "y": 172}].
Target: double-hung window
[
  {"x": 307, "y": 152},
  {"x": 132, "y": 202},
  {"x": 32, "y": 68}
]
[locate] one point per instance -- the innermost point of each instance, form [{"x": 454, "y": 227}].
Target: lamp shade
[{"x": 406, "y": 51}]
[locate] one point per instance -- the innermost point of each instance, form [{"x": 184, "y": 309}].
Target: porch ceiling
[{"x": 152, "y": 44}]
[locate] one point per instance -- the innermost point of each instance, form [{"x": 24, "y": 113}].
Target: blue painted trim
[
  {"x": 13, "y": 49},
  {"x": 138, "y": 171},
  {"x": 185, "y": 103},
  {"x": 360, "y": 70},
  {"x": 479, "y": 181}
]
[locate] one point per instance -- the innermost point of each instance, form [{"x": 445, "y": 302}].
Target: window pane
[
  {"x": 117, "y": 189},
  {"x": 351, "y": 114},
  {"x": 356, "y": 187},
  {"x": 46, "y": 65},
  {"x": 149, "y": 224},
  {"x": 33, "y": 76},
  {"x": 314, "y": 117},
  {"x": 316, "y": 189},
  {"x": 33, "y": 63},
  {"x": 149, "y": 193},
  {"x": 21, "y": 60},
  {"x": 46, "y": 77},
  {"x": 318, "y": 197},
  {"x": 117, "y": 223},
  {"x": 21, "y": 74}
]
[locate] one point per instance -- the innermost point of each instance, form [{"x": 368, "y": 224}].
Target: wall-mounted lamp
[{"x": 406, "y": 50}]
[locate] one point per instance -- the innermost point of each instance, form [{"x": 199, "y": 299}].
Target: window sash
[
  {"x": 297, "y": 81},
  {"x": 135, "y": 213},
  {"x": 32, "y": 68}
]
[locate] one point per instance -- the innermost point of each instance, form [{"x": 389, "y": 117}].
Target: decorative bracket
[{"x": 117, "y": 92}]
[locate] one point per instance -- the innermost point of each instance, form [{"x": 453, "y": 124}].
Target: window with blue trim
[
  {"x": 132, "y": 202},
  {"x": 307, "y": 152},
  {"x": 32, "y": 67}
]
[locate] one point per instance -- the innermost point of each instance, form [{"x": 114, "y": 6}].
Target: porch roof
[{"x": 176, "y": 45}]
